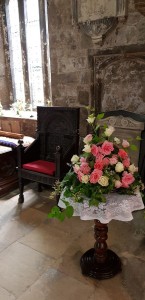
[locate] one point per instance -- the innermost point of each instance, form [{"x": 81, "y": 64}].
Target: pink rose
[
  {"x": 98, "y": 165},
  {"x": 82, "y": 159},
  {"x": 113, "y": 160},
  {"x": 105, "y": 161},
  {"x": 94, "y": 150},
  {"x": 100, "y": 149},
  {"x": 80, "y": 175},
  {"x": 107, "y": 148},
  {"x": 118, "y": 184},
  {"x": 84, "y": 168},
  {"x": 95, "y": 175},
  {"x": 122, "y": 153},
  {"x": 99, "y": 157},
  {"x": 87, "y": 139},
  {"x": 126, "y": 162},
  {"x": 127, "y": 179},
  {"x": 125, "y": 144},
  {"x": 76, "y": 168},
  {"x": 115, "y": 156}
]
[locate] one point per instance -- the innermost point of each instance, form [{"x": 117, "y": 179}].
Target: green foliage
[
  {"x": 133, "y": 147},
  {"x": 100, "y": 116},
  {"x": 138, "y": 138},
  {"x": 61, "y": 215}
]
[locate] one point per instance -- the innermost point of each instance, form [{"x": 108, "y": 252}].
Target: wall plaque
[{"x": 97, "y": 17}]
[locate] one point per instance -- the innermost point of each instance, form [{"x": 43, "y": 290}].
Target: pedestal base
[{"x": 90, "y": 267}]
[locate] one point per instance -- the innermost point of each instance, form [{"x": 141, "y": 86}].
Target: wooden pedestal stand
[{"x": 100, "y": 262}]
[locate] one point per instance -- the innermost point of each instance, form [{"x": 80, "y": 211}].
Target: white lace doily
[{"x": 117, "y": 207}]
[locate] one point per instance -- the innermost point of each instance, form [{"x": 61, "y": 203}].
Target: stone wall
[
  {"x": 72, "y": 58},
  {"x": 75, "y": 58}
]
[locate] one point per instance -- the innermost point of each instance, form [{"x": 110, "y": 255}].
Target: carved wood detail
[
  {"x": 100, "y": 234},
  {"x": 100, "y": 262}
]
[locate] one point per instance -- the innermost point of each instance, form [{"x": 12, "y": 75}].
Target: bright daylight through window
[{"x": 26, "y": 49}]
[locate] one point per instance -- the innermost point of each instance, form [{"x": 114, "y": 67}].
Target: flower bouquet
[
  {"x": 103, "y": 167},
  {"x": 18, "y": 107}
]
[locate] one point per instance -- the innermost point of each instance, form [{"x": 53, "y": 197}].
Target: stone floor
[{"x": 39, "y": 257}]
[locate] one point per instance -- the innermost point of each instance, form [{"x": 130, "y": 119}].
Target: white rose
[
  {"x": 85, "y": 178},
  {"x": 91, "y": 119},
  {"x": 117, "y": 141},
  {"x": 108, "y": 131},
  {"x": 119, "y": 167},
  {"x": 74, "y": 159},
  {"x": 103, "y": 180},
  {"x": 87, "y": 148},
  {"x": 132, "y": 168}
]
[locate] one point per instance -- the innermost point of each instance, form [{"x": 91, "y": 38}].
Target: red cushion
[{"x": 40, "y": 166}]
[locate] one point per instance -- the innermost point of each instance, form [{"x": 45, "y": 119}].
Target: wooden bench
[{"x": 8, "y": 159}]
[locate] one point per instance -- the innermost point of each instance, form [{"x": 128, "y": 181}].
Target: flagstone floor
[{"x": 39, "y": 257}]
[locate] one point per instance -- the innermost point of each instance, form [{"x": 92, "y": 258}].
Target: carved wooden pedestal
[{"x": 100, "y": 262}]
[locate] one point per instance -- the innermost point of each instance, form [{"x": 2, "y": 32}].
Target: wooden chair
[
  {"x": 129, "y": 125},
  {"x": 47, "y": 158}
]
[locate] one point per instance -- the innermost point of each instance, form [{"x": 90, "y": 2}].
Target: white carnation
[
  {"x": 87, "y": 148},
  {"x": 117, "y": 141}
]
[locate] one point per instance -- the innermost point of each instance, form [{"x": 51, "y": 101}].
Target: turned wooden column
[
  {"x": 100, "y": 262},
  {"x": 100, "y": 234}
]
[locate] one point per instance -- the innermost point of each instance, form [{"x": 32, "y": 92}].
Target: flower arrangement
[
  {"x": 18, "y": 106},
  {"x": 103, "y": 167}
]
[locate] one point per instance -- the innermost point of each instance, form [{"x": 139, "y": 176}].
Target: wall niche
[
  {"x": 119, "y": 82},
  {"x": 140, "y": 6}
]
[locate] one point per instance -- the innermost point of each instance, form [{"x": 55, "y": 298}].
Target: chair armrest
[
  {"x": 70, "y": 152},
  {"x": 58, "y": 161},
  {"x": 62, "y": 159},
  {"x": 29, "y": 153}
]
